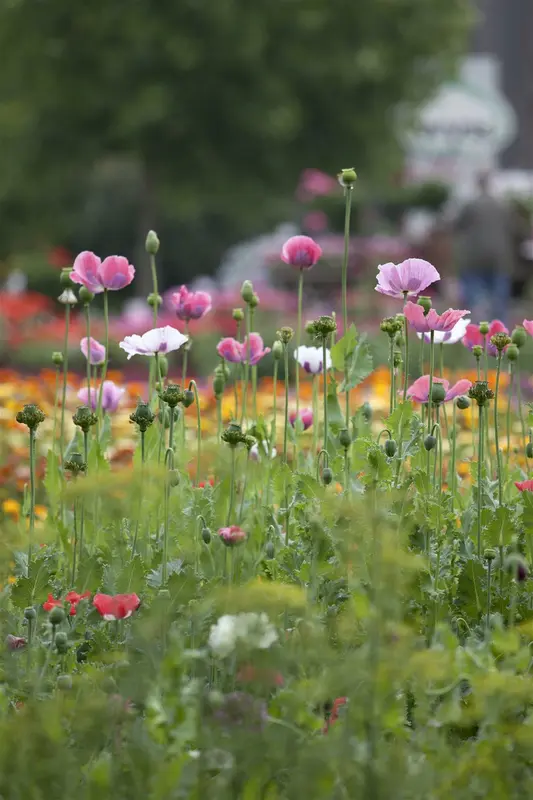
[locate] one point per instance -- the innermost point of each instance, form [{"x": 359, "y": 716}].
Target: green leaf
[
  {"x": 131, "y": 578},
  {"x": 53, "y": 480},
  {"x": 501, "y": 529},
  {"x": 105, "y": 433},
  {"x": 74, "y": 446},
  {"x": 342, "y": 349},
  {"x": 399, "y": 422},
  {"x": 335, "y": 416},
  {"x": 32, "y": 588},
  {"x": 90, "y": 573},
  {"x": 360, "y": 366},
  {"x": 97, "y": 461}
]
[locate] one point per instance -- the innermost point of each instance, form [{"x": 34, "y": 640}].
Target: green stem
[
  {"x": 422, "y": 342},
  {"x": 479, "y": 478},
  {"x": 485, "y": 358},
  {"x": 56, "y": 405},
  {"x": 518, "y": 380},
  {"x": 325, "y": 373},
  {"x": 496, "y": 435},
  {"x": 315, "y": 415},
  {"x": 143, "y": 458},
  {"x": 254, "y": 391},
  {"x": 441, "y": 359},
  {"x": 347, "y": 211},
  {"x": 286, "y": 429},
  {"x": 194, "y": 387},
  {"x": 298, "y": 340},
  {"x": 32, "y": 496},
  {"x": 219, "y": 416},
  {"x": 232, "y": 485},
  {"x": 391, "y": 366},
  {"x": 155, "y": 288},
  {"x": 75, "y": 545},
  {"x": 185, "y": 357},
  {"x": 275, "y": 408},
  {"x": 453, "y": 457},
  {"x": 87, "y": 310},
  {"x": 431, "y": 371},
  {"x": 65, "y": 377},
  {"x": 169, "y": 462},
  {"x": 106, "y": 345},
  {"x": 244, "y": 486},
  {"x": 406, "y": 359},
  {"x": 246, "y": 366},
  {"x": 489, "y": 592},
  {"x": 509, "y": 401},
  {"x": 512, "y": 606}
]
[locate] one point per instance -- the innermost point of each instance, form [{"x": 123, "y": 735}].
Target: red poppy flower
[
  {"x": 250, "y": 674},
  {"x": 74, "y": 598},
  {"x": 118, "y": 606},
  {"x": 333, "y": 717},
  {"x": 51, "y": 603},
  {"x": 208, "y": 482},
  {"x": 524, "y": 486}
]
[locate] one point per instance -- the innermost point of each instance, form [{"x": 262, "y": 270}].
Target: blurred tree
[{"x": 210, "y": 108}]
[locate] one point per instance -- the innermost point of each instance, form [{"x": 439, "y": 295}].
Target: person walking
[{"x": 485, "y": 229}]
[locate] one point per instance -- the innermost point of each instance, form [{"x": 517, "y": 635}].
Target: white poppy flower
[
  {"x": 310, "y": 358},
  {"x": 448, "y": 337},
  {"x": 158, "y": 340}
]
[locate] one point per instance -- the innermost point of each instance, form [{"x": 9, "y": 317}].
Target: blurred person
[{"x": 485, "y": 230}]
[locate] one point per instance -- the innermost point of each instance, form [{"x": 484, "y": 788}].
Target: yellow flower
[
  {"x": 11, "y": 508},
  {"x": 11, "y": 580}
]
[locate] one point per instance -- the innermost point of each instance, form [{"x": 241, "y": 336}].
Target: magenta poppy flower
[
  {"x": 113, "y": 273},
  {"x": 306, "y": 417},
  {"x": 237, "y": 352},
  {"x": 95, "y": 352},
  {"x": 419, "y": 390},
  {"x": 528, "y": 325},
  {"x": 433, "y": 321},
  {"x": 301, "y": 252},
  {"x": 524, "y": 486},
  {"x": 111, "y": 396},
  {"x": 232, "y": 535},
  {"x": 409, "y": 278},
  {"x": 191, "y": 305},
  {"x": 473, "y": 337}
]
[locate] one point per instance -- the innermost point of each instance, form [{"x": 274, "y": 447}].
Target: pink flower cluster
[
  {"x": 191, "y": 305},
  {"x": 113, "y": 273},
  {"x": 237, "y": 352},
  {"x": 419, "y": 390},
  {"x": 423, "y": 323},
  {"x": 473, "y": 337}
]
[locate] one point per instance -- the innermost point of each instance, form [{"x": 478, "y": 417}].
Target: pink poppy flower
[
  {"x": 419, "y": 390},
  {"x": 524, "y": 486},
  {"x": 409, "y": 278},
  {"x": 473, "y": 337},
  {"x": 528, "y": 325},
  {"x": 237, "y": 352},
  {"x": 113, "y": 273},
  {"x": 432, "y": 322},
  {"x": 158, "y": 340},
  {"x": 95, "y": 352},
  {"x": 306, "y": 416},
  {"x": 301, "y": 252},
  {"x": 191, "y": 305},
  {"x": 230, "y": 350},
  {"x": 111, "y": 396},
  {"x": 15, "y": 642},
  {"x": 232, "y": 535}
]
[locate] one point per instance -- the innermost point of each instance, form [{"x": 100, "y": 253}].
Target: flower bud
[
  {"x": 529, "y": 450},
  {"x": 84, "y": 418},
  {"x": 390, "y": 447},
  {"x": 519, "y": 337},
  {"x": 152, "y": 243},
  {"x": 188, "y": 398},
  {"x": 269, "y": 549},
  {"x": 75, "y": 464},
  {"x": 391, "y": 326},
  {"x": 430, "y": 442},
  {"x": 462, "y": 402},
  {"x": 277, "y": 350},
  {"x": 426, "y": 304},
  {"x": 31, "y": 416},
  {"x": 57, "y": 615},
  {"x": 477, "y": 350},
  {"x": 438, "y": 393},
  {"x": 512, "y": 352},
  {"x": 254, "y": 302},
  {"x": 347, "y": 177},
  {"x": 366, "y": 411},
  {"x": 64, "y": 682},
  {"x": 218, "y": 385},
  {"x": 237, "y": 314},
  {"x": 57, "y": 358},
  {"x": 285, "y": 334},
  {"x": 64, "y": 278},
  {"x": 163, "y": 365},
  {"x": 61, "y": 642},
  {"x": 247, "y": 291},
  {"x": 489, "y": 554},
  {"x": 30, "y": 614},
  {"x": 206, "y": 535},
  {"x": 85, "y": 296},
  {"x": 345, "y": 439},
  {"x": 327, "y": 476},
  {"x": 173, "y": 477},
  {"x": 154, "y": 300},
  {"x": 484, "y": 328},
  {"x": 323, "y": 327}
]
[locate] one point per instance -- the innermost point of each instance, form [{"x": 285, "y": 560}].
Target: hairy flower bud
[
  {"x": 269, "y": 549},
  {"x": 254, "y": 302},
  {"x": 237, "y": 314},
  {"x": 519, "y": 337},
  {"x": 529, "y": 450},
  {"x": 31, "y": 416},
  {"x": 188, "y": 398},
  {"x": 277, "y": 350},
  {"x": 327, "y": 476},
  {"x": 484, "y": 328},
  {"x": 154, "y": 300},
  {"x": 391, "y": 326},
  {"x": 347, "y": 177},
  {"x": 426, "y": 304},
  {"x": 390, "y": 447},
  {"x": 84, "y": 418},
  {"x": 143, "y": 416},
  {"x": 247, "y": 291},
  {"x": 345, "y": 439},
  {"x": 152, "y": 243},
  {"x": 206, "y": 535},
  {"x": 480, "y": 392},
  {"x": 57, "y": 615},
  {"x": 430, "y": 442},
  {"x": 438, "y": 393},
  {"x": 57, "y": 358}
]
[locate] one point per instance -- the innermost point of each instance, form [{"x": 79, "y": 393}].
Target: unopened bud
[
  {"x": 57, "y": 358},
  {"x": 206, "y": 535},
  {"x": 152, "y": 243},
  {"x": 218, "y": 385},
  {"x": 438, "y": 393},
  {"x": 345, "y": 439},
  {"x": 430, "y": 442},
  {"x": 247, "y": 291},
  {"x": 512, "y": 352},
  {"x": 426, "y": 304},
  {"x": 519, "y": 337},
  {"x": 529, "y": 450},
  {"x": 462, "y": 402},
  {"x": 237, "y": 314},
  {"x": 154, "y": 300},
  {"x": 270, "y": 550},
  {"x": 85, "y": 296},
  {"x": 477, "y": 350},
  {"x": 61, "y": 642},
  {"x": 188, "y": 398},
  {"x": 254, "y": 302},
  {"x": 285, "y": 334},
  {"x": 64, "y": 682},
  {"x": 57, "y": 615},
  {"x": 327, "y": 476},
  {"x": 484, "y": 328},
  {"x": 489, "y": 554},
  {"x": 173, "y": 478},
  {"x": 277, "y": 350},
  {"x": 390, "y": 447}
]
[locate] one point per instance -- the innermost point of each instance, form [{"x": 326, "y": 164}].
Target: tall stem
[
  {"x": 244, "y": 486},
  {"x": 185, "y": 357},
  {"x": 496, "y": 435},
  {"x": 489, "y": 592},
  {"x": 518, "y": 380},
  {"x": 299, "y": 339},
  {"x": 198, "y": 430},
  {"x": 454, "y": 450},
  {"x": 325, "y": 373},
  {"x": 106, "y": 344},
  {"x": 431, "y": 371},
  {"x": 32, "y": 496},
  {"x": 87, "y": 310},
  {"x": 406, "y": 359},
  {"x": 286, "y": 428},
  {"x": 56, "y": 404},
  {"x": 155, "y": 288},
  {"x": 479, "y": 478},
  {"x": 392, "y": 376},
  {"x": 315, "y": 415},
  {"x": 347, "y": 211},
  {"x": 509, "y": 402},
  {"x": 246, "y": 364},
  {"x": 75, "y": 543},
  {"x": 65, "y": 378},
  {"x": 232, "y": 485}
]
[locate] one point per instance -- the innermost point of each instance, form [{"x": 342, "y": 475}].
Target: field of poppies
[{"x": 311, "y": 584}]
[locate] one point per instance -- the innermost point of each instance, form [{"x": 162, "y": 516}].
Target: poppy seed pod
[
  {"x": 85, "y": 296},
  {"x": 484, "y": 328},
  {"x": 345, "y": 439},
  {"x": 57, "y": 615},
  {"x": 30, "y": 613},
  {"x": 438, "y": 393},
  {"x": 512, "y": 352},
  {"x": 519, "y": 337},
  {"x": 237, "y": 314},
  {"x": 64, "y": 278},
  {"x": 426, "y": 304},
  {"x": 462, "y": 402},
  {"x": 57, "y": 358},
  {"x": 61, "y": 642},
  {"x": 347, "y": 177},
  {"x": 154, "y": 300},
  {"x": 247, "y": 291}
]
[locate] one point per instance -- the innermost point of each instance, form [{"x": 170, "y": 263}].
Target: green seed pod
[
  {"x": 512, "y": 352},
  {"x": 64, "y": 278},
  {"x": 529, "y": 450},
  {"x": 438, "y": 393},
  {"x": 345, "y": 439},
  {"x": 390, "y": 447},
  {"x": 85, "y": 296},
  {"x": 30, "y": 613},
  {"x": 57, "y": 358},
  {"x": 269, "y": 549},
  {"x": 484, "y": 328},
  {"x": 64, "y": 682},
  {"x": 327, "y": 476},
  {"x": 430, "y": 442},
  {"x": 154, "y": 300},
  {"x": 489, "y": 554},
  {"x": 462, "y": 402},
  {"x": 206, "y": 535},
  {"x": 61, "y": 642},
  {"x": 237, "y": 314},
  {"x": 57, "y": 615},
  {"x": 519, "y": 337},
  {"x": 218, "y": 385},
  {"x": 347, "y": 177},
  {"x": 426, "y": 304}
]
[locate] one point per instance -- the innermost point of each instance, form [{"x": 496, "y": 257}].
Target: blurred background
[{"x": 222, "y": 124}]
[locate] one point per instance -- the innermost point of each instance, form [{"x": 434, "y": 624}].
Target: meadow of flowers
[{"x": 315, "y": 584}]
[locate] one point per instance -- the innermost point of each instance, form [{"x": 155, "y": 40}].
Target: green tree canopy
[{"x": 219, "y": 104}]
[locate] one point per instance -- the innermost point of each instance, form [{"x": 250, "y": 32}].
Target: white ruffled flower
[
  {"x": 256, "y": 453},
  {"x": 251, "y": 629},
  {"x": 158, "y": 340},
  {"x": 448, "y": 337},
  {"x": 310, "y": 358}
]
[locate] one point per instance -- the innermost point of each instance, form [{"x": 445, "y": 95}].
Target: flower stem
[
  {"x": 496, "y": 435},
  {"x": 489, "y": 592},
  {"x": 406, "y": 359},
  {"x": 75, "y": 545},
  {"x": 169, "y": 462},
  {"x": 347, "y": 212},
  {"x": 431, "y": 371},
  {"x": 155, "y": 287},
  {"x": 198, "y": 430},
  {"x": 56, "y": 404},
  {"x": 244, "y": 486},
  {"x": 509, "y": 402},
  {"x": 479, "y": 477},
  {"x": 392, "y": 376},
  {"x": 88, "y": 334},
  {"x": 325, "y": 373},
  {"x": 246, "y": 365},
  {"x": 299, "y": 339},
  {"x": 185, "y": 357},
  {"x": 254, "y": 390},
  {"x": 65, "y": 377},
  {"x": 32, "y": 496},
  {"x": 106, "y": 360},
  {"x": 518, "y": 379},
  {"x": 286, "y": 428},
  {"x": 454, "y": 450},
  {"x": 232, "y": 485},
  {"x": 315, "y": 415}
]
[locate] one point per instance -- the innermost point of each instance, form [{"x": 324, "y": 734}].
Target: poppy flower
[
  {"x": 524, "y": 486},
  {"x": 473, "y": 337},
  {"x": 419, "y": 390},
  {"x": 113, "y": 273},
  {"x": 409, "y": 278},
  {"x": 15, "y": 642},
  {"x": 232, "y": 535},
  {"x": 301, "y": 252},
  {"x": 238, "y": 352},
  {"x": 423, "y": 323},
  {"x": 118, "y": 606},
  {"x": 51, "y": 603},
  {"x": 74, "y": 598},
  {"x": 334, "y": 715},
  {"x": 191, "y": 305},
  {"x": 158, "y": 340}
]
